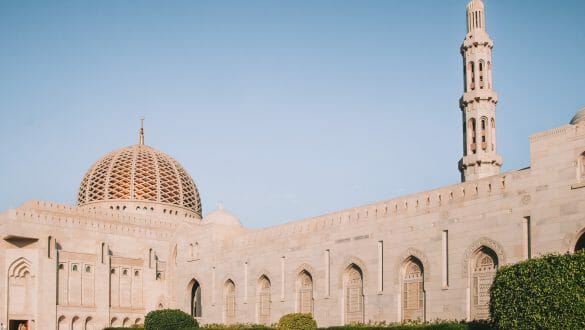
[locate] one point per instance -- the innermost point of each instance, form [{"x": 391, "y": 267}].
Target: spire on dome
[{"x": 142, "y": 131}]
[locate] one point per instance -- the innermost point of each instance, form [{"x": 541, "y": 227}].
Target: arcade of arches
[{"x": 483, "y": 265}]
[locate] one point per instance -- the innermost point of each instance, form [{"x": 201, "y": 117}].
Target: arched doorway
[
  {"x": 195, "y": 301},
  {"x": 263, "y": 300},
  {"x": 484, "y": 264},
  {"x": 304, "y": 293},
  {"x": 353, "y": 285},
  {"x": 413, "y": 290}
]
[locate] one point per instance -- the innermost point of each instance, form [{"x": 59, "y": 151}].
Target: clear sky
[{"x": 279, "y": 109}]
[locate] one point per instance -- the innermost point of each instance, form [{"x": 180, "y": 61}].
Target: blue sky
[{"x": 279, "y": 109}]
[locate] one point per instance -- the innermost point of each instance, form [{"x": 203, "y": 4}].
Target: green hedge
[
  {"x": 235, "y": 327},
  {"x": 439, "y": 325},
  {"x": 296, "y": 321},
  {"x": 169, "y": 319},
  {"x": 542, "y": 293}
]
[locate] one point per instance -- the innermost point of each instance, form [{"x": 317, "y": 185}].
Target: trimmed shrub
[
  {"x": 296, "y": 321},
  {"x": 542, "y": 293},
  {"x": 169, "y": 319}
]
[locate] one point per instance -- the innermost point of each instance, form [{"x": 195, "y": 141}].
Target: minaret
[{"x": 478, "y": 103}]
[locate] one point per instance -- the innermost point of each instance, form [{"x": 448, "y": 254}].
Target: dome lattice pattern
[{"x": 139, "y": 173}]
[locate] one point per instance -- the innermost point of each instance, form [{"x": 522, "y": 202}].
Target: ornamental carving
[{"x": 475, "y": 246}]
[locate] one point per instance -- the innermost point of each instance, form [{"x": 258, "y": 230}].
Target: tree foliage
[{"x": 542, "y": 293}]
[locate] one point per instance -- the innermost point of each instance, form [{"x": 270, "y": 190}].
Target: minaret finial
[
  {"x": 142, "y": 131},
  {"x": 475, "y": 16}
]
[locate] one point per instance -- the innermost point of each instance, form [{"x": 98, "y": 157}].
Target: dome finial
[
  {"x": 220, "y": 206},
  {"x": 142, "y": 130}
]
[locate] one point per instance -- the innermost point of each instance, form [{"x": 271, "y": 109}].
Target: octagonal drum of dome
[{"x": 140, "y": 178}]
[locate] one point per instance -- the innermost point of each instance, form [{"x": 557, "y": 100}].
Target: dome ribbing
[{"x": 139, "y": 173}]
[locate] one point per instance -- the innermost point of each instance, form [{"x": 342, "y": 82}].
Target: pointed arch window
[
  {"x": 472, "y": 134},
  {"x": 263, "y": 301},
  {"x": 484, "y": 124},
  {"x": 305, "y": 293},
  {"x": 483, "y": 270},
  {"x": 489, "y": 74},
  {"x": 196, "y": 306},
  {"x": 413, "y": 290},
  {"x": 354, "y": 295},
  {"x": 481, "y": 74},
  {"x": 229, "y": 308},
  {"x": 471, "y": 70},
  {"x": 493, "y": 135}
]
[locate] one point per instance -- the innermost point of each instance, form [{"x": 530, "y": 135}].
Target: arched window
[
  {"x": 304, "y": 293},
  {"x": 196, "y": 308},
  {"x": 353, "y": 295},
  {"x": 472, "y": 134},
  {"x": 62, "y": 323},
  {"x": 76, "y": 323},
  {"x": 229, "y": 302},
  {"x": 481, "y": 70},
  {"x": 263, "y": 300},
  {"x": 21, "y": 293},
  {"x": 89, "y": 323},
  {"x": 484, "y": 124},
  {"x": 471, "y": 70},
  {"x": 483, "y": 270},
  {"x": 493, "y": 136},
  {"x": 413, "y": 290},
  {"x": 489, "y": 74}
]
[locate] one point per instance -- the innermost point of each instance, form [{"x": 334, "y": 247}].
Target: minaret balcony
[
  {"x": 477, "y": 38},
  {"x": 479, "y": 94},
  {"x": 481, "y": 158}
]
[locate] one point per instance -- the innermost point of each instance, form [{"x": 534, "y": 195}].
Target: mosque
[{"x": 136, "y": 239}]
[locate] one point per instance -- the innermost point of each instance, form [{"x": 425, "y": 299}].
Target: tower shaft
[{"x": 478, "y": 103}]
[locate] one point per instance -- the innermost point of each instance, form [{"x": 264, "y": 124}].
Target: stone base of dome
[{"x": 143, "y": 208}]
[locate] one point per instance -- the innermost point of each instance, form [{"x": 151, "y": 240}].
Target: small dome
[
  {"x": 578, "y": 117},
  {"x": 139, "y": 173},
  {"x": 221, "y": 217}
]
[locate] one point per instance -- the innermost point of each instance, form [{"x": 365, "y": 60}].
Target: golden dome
[{"x": 139, "y": 173}]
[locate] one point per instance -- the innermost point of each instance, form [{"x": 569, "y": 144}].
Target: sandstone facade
[{"x": 136, "y": 240}]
